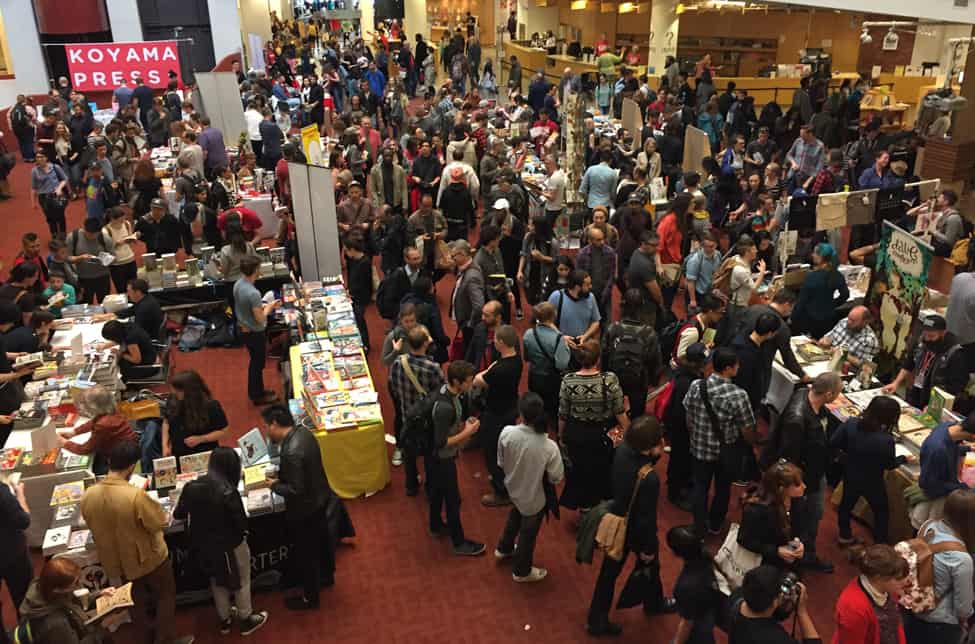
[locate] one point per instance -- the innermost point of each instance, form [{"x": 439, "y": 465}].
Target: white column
[
  {"x": 224, "y": 27},
  {"x": 24, "y": 51},
  {"x": 367, "y": 16},
  {"x": 664, "y": 23},
  {"x": 123, "y": 16},
  {"x": 415, "y": 19}
]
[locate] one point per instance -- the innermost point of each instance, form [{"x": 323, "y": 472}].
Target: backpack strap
[
  {"x": 558, "y": 314},
  {"x": 545, "y": 354},
  {"x": 411, "y": 376}
]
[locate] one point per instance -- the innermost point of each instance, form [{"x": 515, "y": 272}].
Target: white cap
[
  {"x": 501, "y": 204},
  {"x": 363, "y": 61}
]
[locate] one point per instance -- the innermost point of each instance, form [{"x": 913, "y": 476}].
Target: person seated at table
[
  {"x": 143, "y": 308},
  {"x": 194, "y": 421},
  {"x": 33, "y": 336},
  {"x": 135, "y": 346},
  {"x": 247, "y": 166},
  {"x": 854, "y": 335},
  {"x": 56, "y": 286},
  {"x": 228, "y": 261},
  {"x": 247, "y": 218},
  {"x": 108, "y": 427}
]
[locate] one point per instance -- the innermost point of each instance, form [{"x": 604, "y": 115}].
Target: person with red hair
[
  {"x": 50, "y": 609},
  {"x": 871, "y": 598}
]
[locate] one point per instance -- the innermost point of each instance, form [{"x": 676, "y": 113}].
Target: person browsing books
[
  {"x": 107, "y": 427},
  {"x": 194, "y": 422},
  {"x": 252, "y": 312}
]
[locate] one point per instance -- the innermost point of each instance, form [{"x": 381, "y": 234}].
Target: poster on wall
[
  {"x": 898, "y": 289},
  {"x": 103, "y": 66}
]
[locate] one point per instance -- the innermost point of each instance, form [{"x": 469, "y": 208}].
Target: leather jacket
[
  {"x": 301, "y": 477},
  {"x": 800, "y": 438}
]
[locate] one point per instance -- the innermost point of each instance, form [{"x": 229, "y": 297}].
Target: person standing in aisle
[
  {"x": 128, "y": 529},
  {"x": 218, "y": 532},
  {"x": 359, "y": 266},
  {"x": 530, "y": 461},
  {"x": 252, "y": 312},
  {"x": 301, "y": 481},
  {"x": 467, "y": 300},
  {"x": 16, "y": 568},
  {"x": 500, "y": 384},
  {"x": 450, "y": 431}
]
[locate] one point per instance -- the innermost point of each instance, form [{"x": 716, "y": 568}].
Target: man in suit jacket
[
  {"x": 387, "y": 183},
  {"x": 467, "y": 300},
  {"x": 301, "y": 481}
]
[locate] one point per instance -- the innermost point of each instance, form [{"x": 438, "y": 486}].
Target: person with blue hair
[{"x": 823, "y": 291}]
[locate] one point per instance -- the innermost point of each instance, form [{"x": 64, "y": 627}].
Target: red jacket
[
  {"x": 670, "y": 239},
  {"x": 856, "y": 621},
  {"x": 106, "y": 433}
]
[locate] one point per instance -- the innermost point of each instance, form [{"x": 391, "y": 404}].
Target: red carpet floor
[{"x": 394, "y": 583}]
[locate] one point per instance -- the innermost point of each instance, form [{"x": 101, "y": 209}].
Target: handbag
[
  {"x": 733, "y": 561},
  {"x": 146, "y": 404},
  {"x": 736, "y": 459},
  {"x": 611, "y": 533}
]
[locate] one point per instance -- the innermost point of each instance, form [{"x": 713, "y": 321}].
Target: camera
[{"x": 790, "y": 590}]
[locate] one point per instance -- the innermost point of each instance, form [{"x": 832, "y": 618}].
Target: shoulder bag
[
  {"x": 736, "y": 459},
  {"x": 611, "y": 534}
]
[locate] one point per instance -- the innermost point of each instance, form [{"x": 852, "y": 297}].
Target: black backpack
[
  {"x": 627, "y": 356},
  {"x": 19, "y": 120},
  {"x": 418, "y": 431},
  {"x": 386, "y": 297},
  {"x": 670, "y": 336}
]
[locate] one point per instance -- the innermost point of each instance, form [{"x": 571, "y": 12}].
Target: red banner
[{"x": 103, "y": 66}]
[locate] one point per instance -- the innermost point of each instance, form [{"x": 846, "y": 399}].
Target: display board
[
  {"x": 633, "y": 122},
  {"x": 103, "y": 66},
  {"x": 220, "y": 100},
  {"x": 696, "y": 147},
  {"x": 316, "y": 223}
]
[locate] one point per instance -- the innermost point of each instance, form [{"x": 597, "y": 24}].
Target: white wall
[
  {"x": 931, "y": 44},
  {"x": 928, "y": 10},
  {"x": 24, "y": 47},
  {"x": 123, "y": 16},
  {"x": 414, "y": 18},
  {"x": 535, "y": 18},
  {"x": 225, "y": 27}
]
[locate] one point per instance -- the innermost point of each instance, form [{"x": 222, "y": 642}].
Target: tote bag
[{"x": 733, "y": 561}]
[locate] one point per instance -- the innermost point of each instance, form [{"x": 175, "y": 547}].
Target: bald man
[
  {"x": 481, "y": 352},
  {"x": 854, "y": 335}
]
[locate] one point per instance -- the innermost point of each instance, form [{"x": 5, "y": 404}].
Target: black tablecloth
[{"x": 211, "y": 291}]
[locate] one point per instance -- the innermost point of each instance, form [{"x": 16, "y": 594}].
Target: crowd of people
[{"x": 651, "y": 339}]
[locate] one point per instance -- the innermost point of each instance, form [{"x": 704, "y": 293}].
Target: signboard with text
[{"x": 103, "y": 66}]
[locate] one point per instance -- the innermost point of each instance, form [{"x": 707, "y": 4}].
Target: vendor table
[
  {"x": 356, "y": 461},
  {"x": 221, "y": 291}
]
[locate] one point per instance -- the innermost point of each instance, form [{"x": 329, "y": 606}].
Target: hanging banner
[
  {"x": 898, "y": 288},
  {"x": 103, "y": 66}
]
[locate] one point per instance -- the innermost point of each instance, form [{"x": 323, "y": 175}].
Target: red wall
[{"x": 70, "y": 16}]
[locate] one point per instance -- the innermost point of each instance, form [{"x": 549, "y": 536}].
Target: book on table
[{"x": 164, "y": 471}]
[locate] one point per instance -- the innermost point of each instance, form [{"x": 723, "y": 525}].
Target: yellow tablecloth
[{"x": 356, "y": 461}]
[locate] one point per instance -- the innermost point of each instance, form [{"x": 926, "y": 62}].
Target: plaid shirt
[
  {"x": 862, "y": 344},
  {"x": 730, "y": 405},
  {"x": 428, "y": 373}
]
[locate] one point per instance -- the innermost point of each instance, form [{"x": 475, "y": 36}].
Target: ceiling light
[
  {"x": 865, "y": 37},
  {"x": 578, "y": 5}
]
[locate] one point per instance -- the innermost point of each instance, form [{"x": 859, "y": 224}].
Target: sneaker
[
  {"x": 501, "y": 556},
  {"x": 252, "y": 623},
  {"x": 397, "y": 457},
  {"x": 493, "y": 500},
  {"x": 609, "y": 629},
  {"x": 226, "y": 626},
  {"x": 469, "y": 549},
  {"x": 536, "y": 574},
  {"x": 519, "y": 315}
]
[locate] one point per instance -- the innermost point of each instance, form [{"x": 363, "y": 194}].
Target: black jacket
[
  {"x": 389, "y": 238},
  {"x": 760, "y": 533},
  {"x": 780, "y": 342},
  {"x": 478, "y": 345},
  {"x": 457, "y": 205},
  {"x": 13, "y": 522},
  {"x": 641, "y": 529},
  {"x": 211, "y": 233},
  {"x": 164, "y": 236},
  {"x": 800, "y": 438},
  {"x": 675, "y": 416},
  {"x": 217, "y": 519},
  {"x": 753, "y": 376},
  {"x": 301, "y": 477},
  {"x": 868, "y": 454}
]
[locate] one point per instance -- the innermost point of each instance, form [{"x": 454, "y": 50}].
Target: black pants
[
  {"x": 121, "y": 274},
  {"x": 519, "y": 536},
  {"x": 602, "y": 594},
  {"x": 359, "y": 311},
  {"x": 547, "y": 386},
  {"x": 17, "y": 573},
  {"x": 635, "y": 389},
  {"x": 256, "y": 343},
  {"x": 444, "y": 494},
  {"x": 258, "y": 148},
  {"x": 876, "y": 495},
  {"x": 313, "y": 554},
  {"x": 679, "y": 468},
  {"x": 917, "y": 630},
  {"x": 97, "y": 287},
  {"x": 704, "y": 472},
  {"x": 492, "y": 422},
  {"x": 54, "y": 214}
]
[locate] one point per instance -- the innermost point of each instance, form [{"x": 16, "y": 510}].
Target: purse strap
[
  {"x": 642, "y": 474},
  {"x": 715, "y": 426}
]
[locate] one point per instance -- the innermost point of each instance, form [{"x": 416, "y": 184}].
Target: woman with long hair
[
  {"x": 700, "y": 605},
  {"x": 194, "y": 422},
  {"x": 118, "y": 229},
  {"x": 233, "y": 251},
  {"x": 868, "y": 444},
  {"x": 590, "y": 402},
  {"x": 673, "y": 231},
  {"x": 867, "y": 610},
  {"x": 218, "y": 531},
  {"x": 49, "y": 191},
  {"x": 815, "y": 312},
  {"x": 952, "y": 574},
  {"x": 558, "y": 277},
  {"x": 51, "y": 611},
  {"x": 766, "y": 526},
  {"x": 146, "y": 186},
  {"x": 538, "y": 251},
  {"x": 649, "y": 159}
]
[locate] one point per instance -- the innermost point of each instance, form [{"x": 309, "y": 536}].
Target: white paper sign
[{"x": 905, "y": 253}]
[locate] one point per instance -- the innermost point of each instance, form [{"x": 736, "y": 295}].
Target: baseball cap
[
  {"x": 934, "y": 323},
  {"x": 698, "y": 352},
  {"x": 501, "y": 204},
  {"x": 362, "y": 61},
  {"x": 457, "y": 175},
  {"x": 157, "y": 203}
]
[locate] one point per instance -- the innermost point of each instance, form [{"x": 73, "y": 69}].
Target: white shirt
[
  {"x": 253, "y": 119},
  {"x": 556, "y": 185}
]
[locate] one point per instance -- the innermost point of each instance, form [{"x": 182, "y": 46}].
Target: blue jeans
[{"x": 150, "y": 440}]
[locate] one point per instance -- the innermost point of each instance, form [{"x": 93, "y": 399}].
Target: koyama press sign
[{"x": 104, "y": 66}]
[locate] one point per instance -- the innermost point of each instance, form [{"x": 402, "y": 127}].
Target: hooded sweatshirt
[{"x": 59, "y": 621}]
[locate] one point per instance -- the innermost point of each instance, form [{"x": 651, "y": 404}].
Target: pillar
[
  {"x": 367, "y": 18},
  {"x": 123, "y": 16},
  {"x": 664, "y": 23},
  {"x": 415, "y": 19},
  {"x": 26, "y": 59},
  {"x": 963, "y": 122},
  {"x": 225, "y": 29}
]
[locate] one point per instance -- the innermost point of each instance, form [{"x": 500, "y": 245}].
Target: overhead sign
[{"x": 103, "y": 66}]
